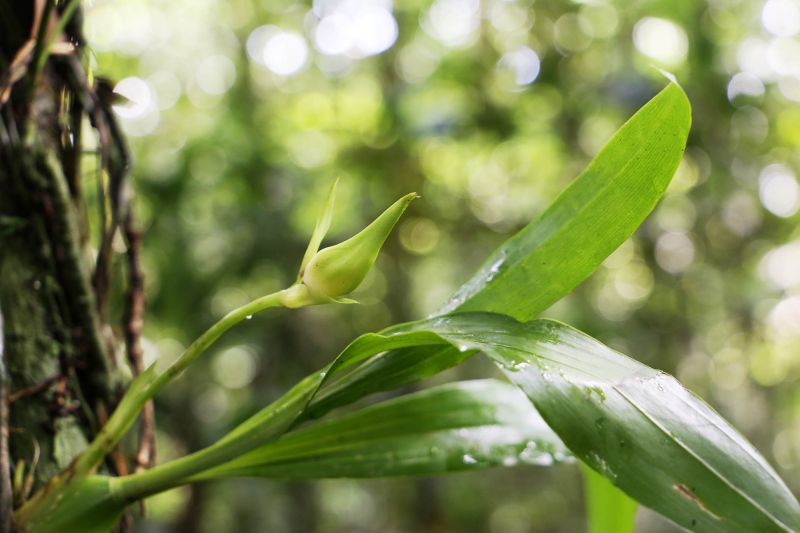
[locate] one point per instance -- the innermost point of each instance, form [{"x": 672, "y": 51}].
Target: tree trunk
[{"x": 60, "y": 375}]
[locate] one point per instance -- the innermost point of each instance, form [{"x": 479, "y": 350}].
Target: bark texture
[{"x": 61, "y": 375}]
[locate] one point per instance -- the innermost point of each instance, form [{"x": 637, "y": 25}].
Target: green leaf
[
  {"x": 607, "y": 508},
  {"x": 637, "y": 426},
  {"x": 387, "y": 371},
  {"x": 461, "y": 426},
  {"x": 89, "y": 507},
  {"x": 589, "y": 220}
]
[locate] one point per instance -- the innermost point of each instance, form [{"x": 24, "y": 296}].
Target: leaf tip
[{"x": 667, "y": 74}]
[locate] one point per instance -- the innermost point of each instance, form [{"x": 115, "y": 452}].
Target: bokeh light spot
[
  {"x": 453, "y": 22},
  {"x": 784, "y": 319},
  {"x": 356, "y": 29},
  {"x": 751, "y": 56},
  {"x": 285, "y": 53},
  {"x": 137, "y": 93},
  {"x": 778, "y": 190},
  {"x": 215, "y": 74},
  {"x": 570, "y": 34},
  {"x": 416, "y": 61},
  {"x": 509, "y": 16},
  {"x": 376, "y": 31},
  {"x": 523, "y": 63},
  {"x": 139, "y": 114},
  {"x": 334, "y": 34},
  {"x": 780, "y": 267},
  {"x": 745, "y": 84},
  {"x": 419, "y": 235},
  {"x": 235, "y": 367},
  {"x": 741, "y": 214},
  {"x": 781, "y": 17},
  {"x": 257, "y": 41},
  {"x": 674, "y": 252},
  {"x": 600, "y": 19},
  {"x": 661, "y": 40}
]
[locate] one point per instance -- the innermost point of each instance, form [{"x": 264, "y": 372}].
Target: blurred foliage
[{"x": 241, "y": 113}]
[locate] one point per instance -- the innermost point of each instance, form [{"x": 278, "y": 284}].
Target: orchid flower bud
[
  {"x": 338, "y": 270},
  {"x": 329, "y": 274}
]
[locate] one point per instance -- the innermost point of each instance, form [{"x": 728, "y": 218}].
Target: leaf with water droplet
[
  {"x": 594, "y": 397},
  {"x": 467, "y": 425},
  {"x": 669, "y": 434}
]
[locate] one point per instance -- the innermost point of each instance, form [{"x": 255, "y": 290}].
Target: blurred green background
[{"x": 240, "y": 114}]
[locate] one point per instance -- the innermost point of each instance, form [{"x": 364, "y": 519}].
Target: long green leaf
[
  {"x": 637, "y": 426},
  {"x": 387, "y": 371},
  {"x": 589, "y": 220},
  {"x": 461, "y": 426}
]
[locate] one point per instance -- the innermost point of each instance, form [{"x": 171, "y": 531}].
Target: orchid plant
[{"x": 639, "y": 434}]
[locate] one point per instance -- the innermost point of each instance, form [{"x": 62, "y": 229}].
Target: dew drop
[
  {"x": 510, "y": 460},
  {"x": 495, "y": 269},
  {"x": 515, "y": 366},
  {"x": 538, "y": 458},
  {"x": 561, "y": 457},
  {"x": 595, "y": 390},
  {"x": 531, "y": 454},
  {"x": 602, "y": 466},
  {"x": 249, "y": 317}
]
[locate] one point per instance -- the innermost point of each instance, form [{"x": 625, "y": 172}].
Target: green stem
[
  {"x": 205, "y": 340},
  {"x": 147, "y": 385},
  {"x": 126, "y": 413}
]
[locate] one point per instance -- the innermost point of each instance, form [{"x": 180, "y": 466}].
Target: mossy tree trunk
[{"x": 61, "y": 374}]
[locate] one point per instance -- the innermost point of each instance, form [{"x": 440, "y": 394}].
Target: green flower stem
[
  {"x": 208, "y": 338},
  {"x": 122, "y": 419},
  {"x": 147, "y": 385}
]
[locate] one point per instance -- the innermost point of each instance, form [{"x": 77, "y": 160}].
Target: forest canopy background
[{"x": 241, "y": 113}]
